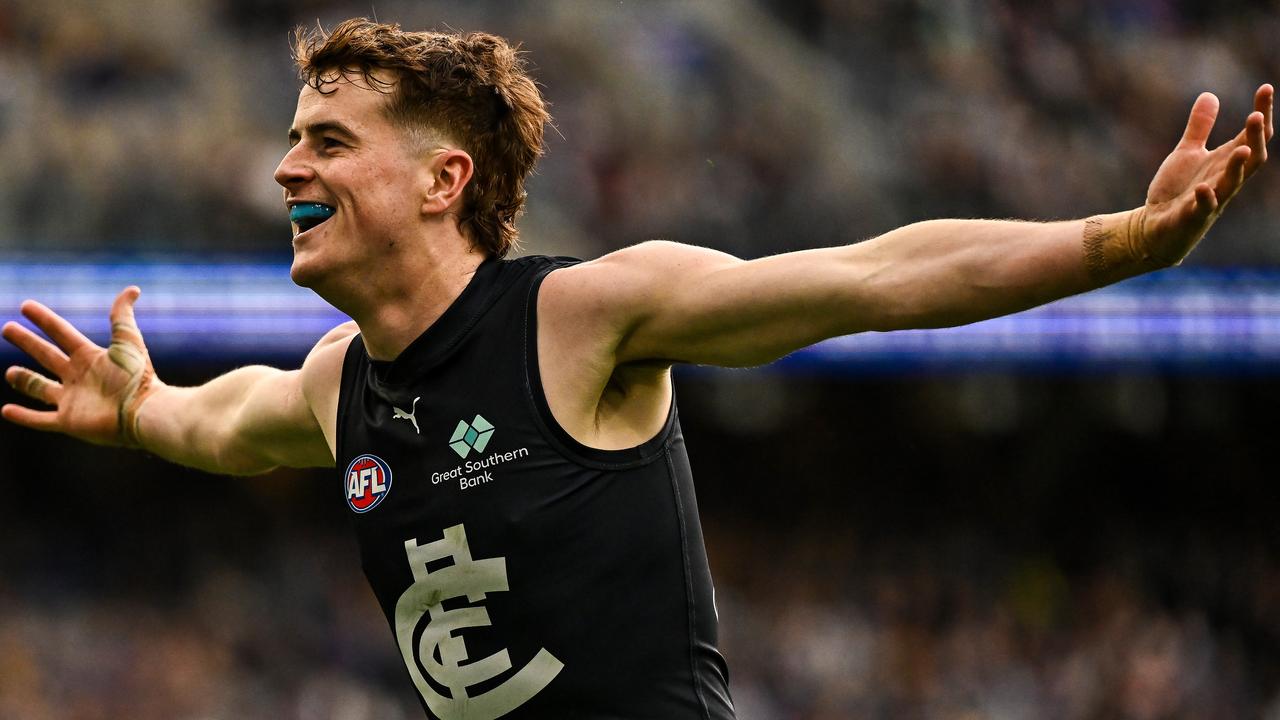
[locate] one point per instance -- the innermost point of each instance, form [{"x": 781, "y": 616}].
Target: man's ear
[{"x": 448, "y": 171}]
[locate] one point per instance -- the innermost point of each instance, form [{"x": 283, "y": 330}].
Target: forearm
[
  {"x": 203, "y": 427},
  {"x": 942, "y": 273}
]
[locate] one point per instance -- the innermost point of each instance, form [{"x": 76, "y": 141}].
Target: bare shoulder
[
  {"x": 624, "y": 282},
  {"x": 322, "y": 377},
  {"x": 322, "y": 369},
  {"x": 602, "y": 395},
  {"x": 654, "y": 258},
  {"x": 345, "y": 331}
]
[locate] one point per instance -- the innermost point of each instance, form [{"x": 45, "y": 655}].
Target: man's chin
[{"x": 304, "y": 274}]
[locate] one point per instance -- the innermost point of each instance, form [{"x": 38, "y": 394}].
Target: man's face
[{"x": 346, "y": 154}]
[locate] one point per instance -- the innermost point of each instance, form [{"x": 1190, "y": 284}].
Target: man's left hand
[{"x": 1194, "y": 184}]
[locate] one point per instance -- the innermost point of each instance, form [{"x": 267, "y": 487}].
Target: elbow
[
  {"x": 242, "y": 465},
  {"x": 238, "y": 456}
]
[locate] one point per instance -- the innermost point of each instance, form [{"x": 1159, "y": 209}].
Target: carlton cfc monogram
[{"x": 455, "y": 670}]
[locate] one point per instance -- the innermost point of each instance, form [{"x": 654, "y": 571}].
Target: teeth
[{"x": 309, "y": 215}]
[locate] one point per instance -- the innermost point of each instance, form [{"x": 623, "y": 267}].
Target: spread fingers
[
  {"x": 34, "y": 385},
  {"x": 44, "y": 352},
  {"x": 1264, "y": 102},
  {"x": 46, "y": 420},
  {"x": 1256, "y": 137},
  {"x": 1232, "y": 176},
  {"x": 58, "y": 329}
]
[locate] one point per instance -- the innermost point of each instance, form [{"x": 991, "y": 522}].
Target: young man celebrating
[{"x": 505, "y": 430}]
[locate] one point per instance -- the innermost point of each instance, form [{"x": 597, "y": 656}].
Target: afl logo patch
[{"x": 368, "y": 482}]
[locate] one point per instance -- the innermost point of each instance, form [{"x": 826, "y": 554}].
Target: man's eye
[{"x": 331, "y": 143}]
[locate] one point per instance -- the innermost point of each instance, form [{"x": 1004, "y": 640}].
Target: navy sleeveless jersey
[{"x": 524, "y": 574}]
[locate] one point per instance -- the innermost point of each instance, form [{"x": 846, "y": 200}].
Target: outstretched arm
[
  {"x": 672, "y": 303},
  {"x": 245, "y": 422}
]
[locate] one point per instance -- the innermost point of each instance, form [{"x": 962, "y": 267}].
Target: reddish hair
[{"x": 473, "y": 87}]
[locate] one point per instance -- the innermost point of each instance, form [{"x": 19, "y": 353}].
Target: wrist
[
  {"x": 1115, "y": 246},
  {"x": 130, "y": 412}
]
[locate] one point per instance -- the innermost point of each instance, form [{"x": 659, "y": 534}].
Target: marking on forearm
[{"x": 1095, "y": 239}]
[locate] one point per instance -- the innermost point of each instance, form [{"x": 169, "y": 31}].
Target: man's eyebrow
[{"x": 319, "y": 128}]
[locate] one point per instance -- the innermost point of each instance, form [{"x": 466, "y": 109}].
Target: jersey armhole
[
  {"x": 559, "y": 438},
  {"x": 347, "y": 385}
]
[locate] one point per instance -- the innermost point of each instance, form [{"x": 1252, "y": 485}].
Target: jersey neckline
[{"x": 438, "y": 340}]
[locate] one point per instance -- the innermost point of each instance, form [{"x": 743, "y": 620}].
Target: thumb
[
  {"x": 123, "y": 324},
  {"x": 128, "y": 352},
  {"x": 127, "y": 348}
]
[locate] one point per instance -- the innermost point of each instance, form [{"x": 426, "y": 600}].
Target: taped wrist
[
  {"x": 133, "y": 360},
  {"x": 1115, "y": 246}
]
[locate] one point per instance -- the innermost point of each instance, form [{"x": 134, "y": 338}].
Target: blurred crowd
[
  {"x": 748, "y": 126},
  {"x": 878, "y": 552},
  {"x": 939, "y": 629},
  {"x": 752, "y": 127},
  {"x": 950, "y": 628}
]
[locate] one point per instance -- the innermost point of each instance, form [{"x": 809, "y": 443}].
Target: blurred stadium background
[{"x": 1068, "y": 514}]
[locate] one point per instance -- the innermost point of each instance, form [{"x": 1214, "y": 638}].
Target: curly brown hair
[{"x": 473, "y": 87}]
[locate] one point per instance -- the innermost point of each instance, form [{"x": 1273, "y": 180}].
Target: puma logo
[{"x": 402, "y": 415}]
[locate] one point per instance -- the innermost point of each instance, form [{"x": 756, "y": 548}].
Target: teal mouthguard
[{"x": 310, "y": 211}]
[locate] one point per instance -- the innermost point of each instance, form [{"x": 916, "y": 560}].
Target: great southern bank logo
[
  {"x": 368, "y": 482},
  {"x": 475, "y": 436}
]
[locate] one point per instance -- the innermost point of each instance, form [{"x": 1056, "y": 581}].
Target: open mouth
[{"x": 309, "y": 215}]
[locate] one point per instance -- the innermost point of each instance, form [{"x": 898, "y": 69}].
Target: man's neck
[
  {"x": 390, "y": 327},
  {"x": 413, "y": 292}
]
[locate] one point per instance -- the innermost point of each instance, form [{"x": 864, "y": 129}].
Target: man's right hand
[{"x": 95, "y": 392}]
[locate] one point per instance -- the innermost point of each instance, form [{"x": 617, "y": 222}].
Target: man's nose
[{"x": 293, "y": 168}]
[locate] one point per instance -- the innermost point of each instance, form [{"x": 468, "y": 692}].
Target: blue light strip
[
  {"x": 1183, "y": 319},
  {"x": 228, "y": 310},
  {"x": 190, "y": 308}
]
